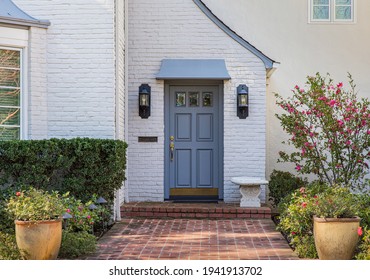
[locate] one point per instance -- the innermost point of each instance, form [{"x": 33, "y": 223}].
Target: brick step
[{"x": 192, "y": 211}]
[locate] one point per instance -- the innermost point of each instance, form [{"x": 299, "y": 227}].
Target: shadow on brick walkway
[{"x": 191, "y": 239}]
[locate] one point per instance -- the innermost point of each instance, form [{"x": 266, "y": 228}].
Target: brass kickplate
[{"x": 194, "y": 192}]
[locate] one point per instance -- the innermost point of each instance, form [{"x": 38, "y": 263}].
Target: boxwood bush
[
  {"x": 282, "y": 184},
  {"x": 81, "y": 166}
]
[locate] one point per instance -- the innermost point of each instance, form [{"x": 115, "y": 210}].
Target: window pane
[
  {"x": 9, "y": 77},
  {"x": 343, "y": 12},
  {"x": 194, "y": 99},
  {"x": 207, "y": 99},
  {"x": 9, "y": 116},
  {"x": 9, "y": 58},
  {"x": 343, "y": 2},
  {"x": 9, "y": 97},
  {"x": 320, "y": 12},
  {"x": 321, "y": 2},
  {"x": 9, "y": 133},
  {"x": 180, "y": 99}
]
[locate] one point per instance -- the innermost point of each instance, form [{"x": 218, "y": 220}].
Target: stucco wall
[
  {"x": 281, "y": 30},
  {"x": 178, "y": 29},
  {"x": 80, "y": 72}
]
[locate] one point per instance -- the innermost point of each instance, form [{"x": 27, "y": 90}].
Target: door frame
[{"x": 167, "y": 84}]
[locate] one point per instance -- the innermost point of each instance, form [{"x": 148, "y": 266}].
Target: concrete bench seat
[{"x": 250, "y": 189}]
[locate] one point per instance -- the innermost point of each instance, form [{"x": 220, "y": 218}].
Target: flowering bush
[
  {"x": 83, "y": 218},
  {"x": 323, "y": 201},
  {"x": 364, "y": 247},
  {"x": 330, "y": 128},
  {"x": 35, "y": 205}
]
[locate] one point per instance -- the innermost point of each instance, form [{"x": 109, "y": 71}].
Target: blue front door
[{"x": 193, "y": 137}]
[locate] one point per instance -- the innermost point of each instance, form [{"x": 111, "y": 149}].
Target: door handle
[{"x": 172, "y": 148}]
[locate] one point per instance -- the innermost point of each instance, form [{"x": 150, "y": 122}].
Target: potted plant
[
  {"x": 38, "y": 223},
  {"x": 335, "y": 224}
]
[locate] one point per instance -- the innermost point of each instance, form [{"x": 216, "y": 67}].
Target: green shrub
[
  {"x": 81, "y": 166},
  {"x": 364, "y": 247},
  {"x": 8, "y": 247},
  {"x": 296, "y": 212},
  {"x": 35, "y": 205},
  {"x": 282, "y": 184},
  {"x": 76, "y": 244},
  {"x": 83, "y": 218}
]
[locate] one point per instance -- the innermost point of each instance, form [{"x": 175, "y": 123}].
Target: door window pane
[
  {"x": 180, "y": 99},
  {"x": 207, "y": 99},
  {"x": 193, "y": 99}
]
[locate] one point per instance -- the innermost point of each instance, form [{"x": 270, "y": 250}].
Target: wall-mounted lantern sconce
[
  {"x": 242, "y": 101},
  {"x": 144, "y": 101}
]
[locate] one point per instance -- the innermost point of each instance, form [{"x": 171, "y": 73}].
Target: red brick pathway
[{"x": 190, "y": 239}]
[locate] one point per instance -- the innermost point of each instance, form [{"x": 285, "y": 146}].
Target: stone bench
[{"x": 250, "y": 189}]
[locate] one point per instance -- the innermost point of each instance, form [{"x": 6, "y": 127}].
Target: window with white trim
[
  {"x": 10, "y": 93},
  {"x": 331, "y": 10}
]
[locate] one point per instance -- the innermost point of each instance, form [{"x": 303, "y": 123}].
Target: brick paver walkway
[{"x": 188, "y": 239}]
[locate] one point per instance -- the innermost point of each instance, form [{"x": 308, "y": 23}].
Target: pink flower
[
  {"x": 298, "y": 167},
  {"x": 340, "y": 122},
  {"x": 294, "y": 233},
  {"x": 88, "y": 216},
  {"x": 368, "y": 132},
  {"x": 340, "y": 85},
  {"x": 68, "y": 210},
  {"x": 348, "y": 142},
  {"x": 332, "y": 103},
  {"x": 296, "y": 87},
  {"x": 18, "y": 193},
  {"x": 311, "y": 134},
  {"x": 323, "y": 98},
  {"x": 359, "y": 231},
  {"x": 304, "y": 204},
  {"x": 302, "y": 189},
  {"x": 315, "y": 196}
]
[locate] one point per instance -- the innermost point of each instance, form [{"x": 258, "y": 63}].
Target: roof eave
[{"x": 23, "y": 22}]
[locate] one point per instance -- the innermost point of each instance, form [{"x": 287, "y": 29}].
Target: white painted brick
[
  {"x": 70, "y": 62},
  {"x": 178, "y": 29}
]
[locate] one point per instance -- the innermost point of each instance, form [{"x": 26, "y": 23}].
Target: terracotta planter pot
[
  {"x": 40, "y": 240},
  {"x": 336, "y": 238}
]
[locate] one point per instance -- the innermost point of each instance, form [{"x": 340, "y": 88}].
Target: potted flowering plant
[
  {"x": 38, "y": 223},
  {"x": 335, "y": 224}
]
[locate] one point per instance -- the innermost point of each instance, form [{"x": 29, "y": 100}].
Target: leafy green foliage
[
  {"x": 364, "y": 247},
  {"x": 36, "y": 205},
  {"x": 83, "y": 219},
  {"x": 76, "y": 244},
  {"x": 8, "y": 247},
  {"x": 298, "y": 209},
  {"x": 81, "y": 166},
  {"x": 282, "y": 184},
  {"x": 330, "y": 129}
]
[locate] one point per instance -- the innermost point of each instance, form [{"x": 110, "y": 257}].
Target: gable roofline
[
  {"x": 269, "y": 63},
  {"x": 11, "y": 14}
]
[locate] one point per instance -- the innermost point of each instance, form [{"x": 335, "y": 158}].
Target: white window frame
[
  {"x": 332, "y": 14},
  {"x": 23, "y": 132}
]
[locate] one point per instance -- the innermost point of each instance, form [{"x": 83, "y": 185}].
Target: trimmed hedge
[
  {"x": 282, "y": 184},
  {"x": 81, "y": 166}
]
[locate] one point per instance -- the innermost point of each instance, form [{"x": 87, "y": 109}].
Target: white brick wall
[
  {"x": 178, "y": 29},
  {"x": 120, "y": 37},
  {"x": 37, "y": 81},
  {"x": 80, "y": 77}
]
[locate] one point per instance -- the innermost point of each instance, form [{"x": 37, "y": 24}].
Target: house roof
[
  {"x": 269, "y": 63},
  {"x": 11, "y": 14}
]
